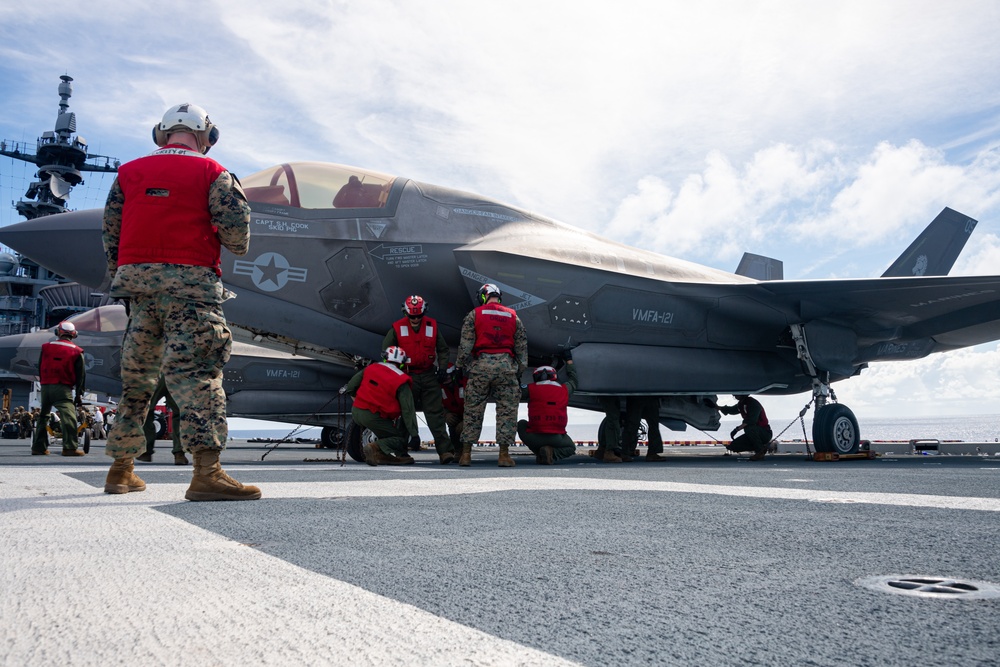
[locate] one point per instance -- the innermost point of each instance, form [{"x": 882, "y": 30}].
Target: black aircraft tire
[
  {"x": 331, "y": 436},
  {"x": 355, "y": 442},
  {"x": 86, "y": 441},
  {"x": 161, "y": 426},
  {"x": 835, "y": 429}
]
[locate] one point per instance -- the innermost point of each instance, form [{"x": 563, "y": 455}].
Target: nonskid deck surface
[{"x": 703, "y": 559}]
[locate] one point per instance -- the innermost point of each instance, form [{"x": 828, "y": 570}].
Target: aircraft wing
[{"x": 950, "y": 312}]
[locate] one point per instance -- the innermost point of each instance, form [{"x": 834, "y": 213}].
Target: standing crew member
[
  {"x": 149, "y": 426},
  {"x": 166, "y": 219},
  {"x": 638, "y": 408},
  {"x": 544, "y": 432},
  {"x": 419, "y": 337},
  {"x": 61, "y": 370},
  {"x": 756, "y": 436},
  {"x": 382, "y": 398},
  {"x": 494, "y": 349},
  {"x": 453, "y": 401}
]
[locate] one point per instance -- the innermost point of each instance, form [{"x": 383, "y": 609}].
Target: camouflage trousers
[
  {"x": 188, "y": 342},
  {"x": 562, "y": 445},
  {"x": 496, "y": 375},
  {"x": 60, "y": 397},
  {"x": 427, "y": 397}
]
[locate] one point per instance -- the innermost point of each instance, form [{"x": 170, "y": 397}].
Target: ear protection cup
[{"x": 159, "y": 136}]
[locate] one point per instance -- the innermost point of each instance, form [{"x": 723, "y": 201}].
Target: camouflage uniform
[
  {"x": 177, "y": 327},
  {"x": 496, "y": 374}
]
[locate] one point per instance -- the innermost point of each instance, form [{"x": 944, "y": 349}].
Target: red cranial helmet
[{"x": 414, "y": 305}]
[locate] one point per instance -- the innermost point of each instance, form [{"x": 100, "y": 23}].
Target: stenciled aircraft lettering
[
  {"x": 376, "y": 228},
  {"x": 510, "y": 293},
  {"x": 399, "y": 256},
  {"x": 283, "y": 373},
  {"x": 270, "y": 271},
  {"x": 486, "y": 214},
  {"x": 652, "y": 316},
  {"x": 273, "y": 225}
]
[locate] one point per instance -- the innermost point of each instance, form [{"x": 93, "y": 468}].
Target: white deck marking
[
  {"x": 395, "y": 487},
  {"x": 94, "y": 579}
]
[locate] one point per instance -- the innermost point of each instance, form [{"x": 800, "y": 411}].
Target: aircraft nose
[
  {"x": 8, "y": 349},
  {"x": 68, "y": 243}
]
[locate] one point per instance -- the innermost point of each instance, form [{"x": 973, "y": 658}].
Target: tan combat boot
[
  {"x": 504, "y": 460},
  {"x": 180, "y": 459},
  {"x": 210, "y": 481},
  {"x": 466, "y": 458},
  {"x": 121, "y": 479}
]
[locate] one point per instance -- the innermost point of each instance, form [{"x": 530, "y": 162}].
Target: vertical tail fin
[{"x": 934, "y": 252}]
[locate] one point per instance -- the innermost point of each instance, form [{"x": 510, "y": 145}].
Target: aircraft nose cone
[
  {"x": 69, "y": 244},
  {"x": 8, "y": 349}
]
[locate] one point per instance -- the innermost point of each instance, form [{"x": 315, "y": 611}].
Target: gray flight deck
[{"x": 703, "y": 560}]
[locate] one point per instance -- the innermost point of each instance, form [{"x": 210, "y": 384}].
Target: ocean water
[{"x": 977, "y": 428}]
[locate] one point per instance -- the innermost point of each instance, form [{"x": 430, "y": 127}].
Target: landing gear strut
[{"x": 835, "y": 428}]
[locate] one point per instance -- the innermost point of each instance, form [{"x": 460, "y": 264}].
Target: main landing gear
[{"x": 835, "y": 428}]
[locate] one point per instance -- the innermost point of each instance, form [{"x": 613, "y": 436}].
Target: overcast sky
[{"x": 826, "y": 135}]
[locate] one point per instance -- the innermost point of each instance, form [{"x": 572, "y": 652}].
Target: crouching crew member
[
  {"x": 425, "y": 347},
  {"x": 544, "y": 432},
  {"x": 61, "y": 370},
  {"x": 756, "y": 436},
  {"x": 383, "y": 403},
  {"x": 494, "y": 352}
]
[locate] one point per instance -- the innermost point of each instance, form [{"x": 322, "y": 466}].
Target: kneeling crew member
[
  {"x": 382, "y": 396},
  {"x": 544, "y": 432},
  {"x": 756, "y": 436}
]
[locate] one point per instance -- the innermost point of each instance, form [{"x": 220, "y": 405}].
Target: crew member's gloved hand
[
  {"x": 414, "y": 444},
  {"x": 567, "y": 355},
  {"x": 442, "y": 375},
  {"x": 459, "y": 373}
]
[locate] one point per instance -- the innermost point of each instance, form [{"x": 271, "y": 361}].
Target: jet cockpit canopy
[{"x": 319, "y": 185}]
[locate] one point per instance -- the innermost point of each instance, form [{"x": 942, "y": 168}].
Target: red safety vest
[
  {"x": 377, "y": 392},
  {"x": 547, "y": 403},
  {"x": 742, "y": 405},
  {"x": 495, "y": 327},
  {"x": 58, "y": 365},
  {"x": 453, "y": 397},
  {"x": 166, "y": 219},
  {"x": 420, "y": 346}
]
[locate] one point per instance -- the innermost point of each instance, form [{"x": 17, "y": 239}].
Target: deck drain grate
[{"x": 942, "y": 588}]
